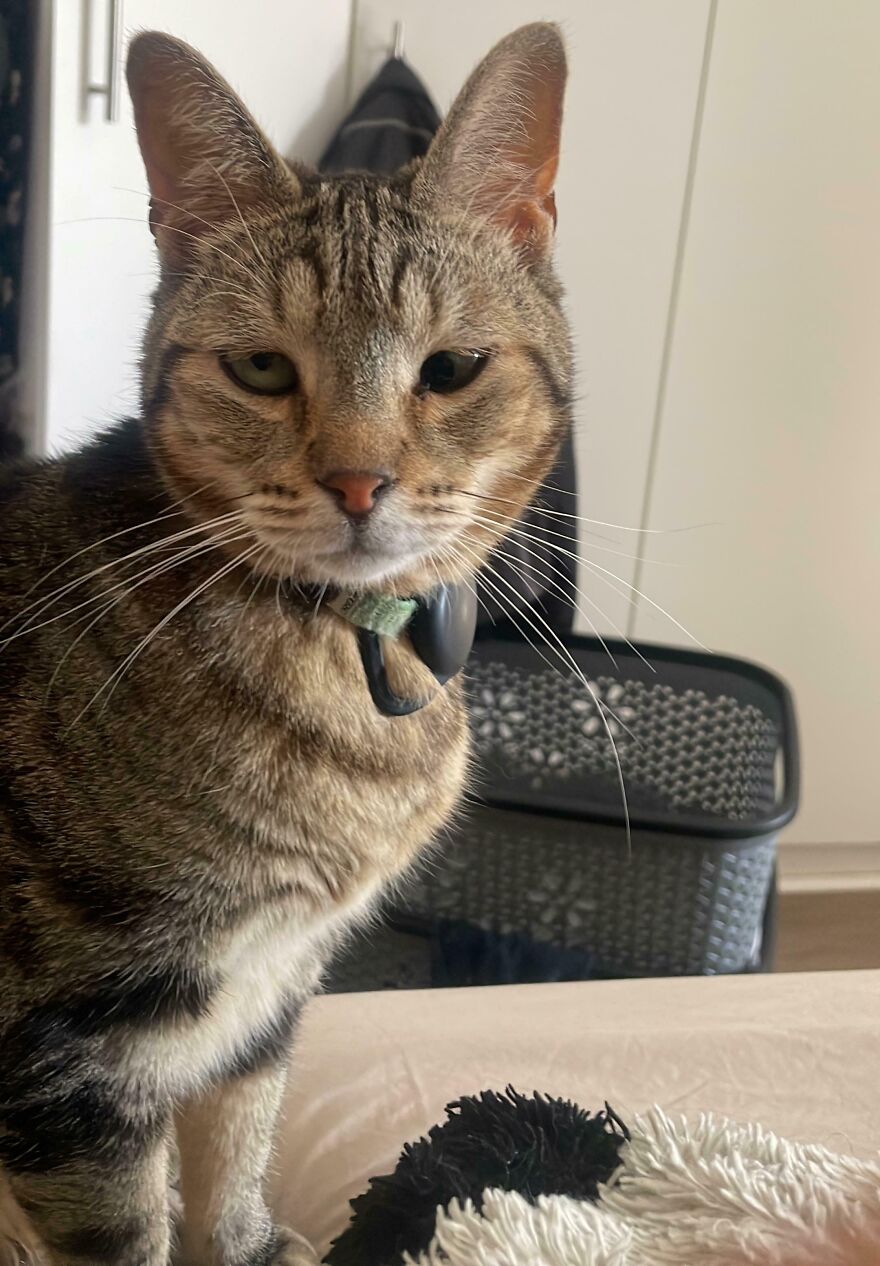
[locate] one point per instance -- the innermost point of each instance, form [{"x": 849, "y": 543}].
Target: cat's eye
[
  {"x": 266, "y": 373},
  {"x": 445, "y": 372}
]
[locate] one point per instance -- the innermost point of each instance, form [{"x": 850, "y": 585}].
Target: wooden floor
[{"x": 827, "y": 931}]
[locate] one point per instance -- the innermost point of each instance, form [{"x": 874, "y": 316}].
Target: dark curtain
[
  {"x": 17, "y": 25},
  {"x": 392, "y": 122}
]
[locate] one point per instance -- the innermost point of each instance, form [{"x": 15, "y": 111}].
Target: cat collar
[{"x": 439, "y": 625}]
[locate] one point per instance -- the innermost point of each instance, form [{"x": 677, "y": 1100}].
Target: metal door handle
[{"x": 110, "y": 89}]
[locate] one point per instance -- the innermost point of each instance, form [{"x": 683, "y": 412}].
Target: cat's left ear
[
  {"x": 497, "y": 153},
  {"x": 207, "y": 160}
]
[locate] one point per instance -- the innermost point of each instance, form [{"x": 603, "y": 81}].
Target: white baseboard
[{"x": 828, "y": 867}]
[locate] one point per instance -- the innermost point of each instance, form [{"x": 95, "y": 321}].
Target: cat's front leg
[
  {"x": 87, "y": 1163},
  {"x": 225, "y": 1140}
]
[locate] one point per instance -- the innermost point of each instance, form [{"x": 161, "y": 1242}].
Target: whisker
[
  {"x": 548, "y": 582},
  {"x": 601, "y": 703},
  {"x": 154, "y": 569},
  {"x": 534, "y": 508},
  {"x": 578, "y": 592},
  {"x": 443, "y": 553},
  {"x": 90, "y": 623},
  {"x": 566, "y": 536},
  {"x": 166, "y": 228},
  {"x": 260, "y": 580},
  {"x": 46, "y": 601},
  {"x": 207, "y": 279},
  {"x": 190, "y": 496},
  {"x": 144, "y": 578},
  {"x": 520, "y": 566},
  {"x": 436, "y": 570},
  {"x": 603, "y": 572},
  {"x": 116, "y": 676},
  {"x": 217, "y": 228},
  {"x": 511, "y": 612},
  {"x": 259, "y": 254},
  {"x": 171, "y": 512},
  {"x": 244, "y": 581},
  {"x": 322, "y": 595},
  {"x": 619, "y": 527},
  {"x": 566, "y": 656}
]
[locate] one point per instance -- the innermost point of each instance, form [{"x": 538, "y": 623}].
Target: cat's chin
[
  {"x": 361, "y": 570},
  {"x": 398, "y": 576},
  {"x": 378, "y": 566}
]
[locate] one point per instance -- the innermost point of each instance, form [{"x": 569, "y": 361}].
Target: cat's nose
[{"x": 357, "y": 491}]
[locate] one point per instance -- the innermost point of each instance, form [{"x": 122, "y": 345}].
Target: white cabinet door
[
  {"x": 634, "y": 78},
  {"x": 287, "y": 60},
  {"x": 771, "y": 428}
]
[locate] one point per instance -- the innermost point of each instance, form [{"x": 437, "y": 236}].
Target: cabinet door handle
[{"x": 111, "y": 88}]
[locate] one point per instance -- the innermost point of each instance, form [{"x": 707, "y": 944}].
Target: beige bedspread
[{"x": 799, "y": 1053}]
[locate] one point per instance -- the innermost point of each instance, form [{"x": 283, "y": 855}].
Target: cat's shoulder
[{"x": 119, "y": 451}]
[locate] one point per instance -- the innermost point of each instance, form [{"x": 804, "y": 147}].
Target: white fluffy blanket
[
  {"x": 699, "y": 1193},
  {"x": 703, "y": 1193}
]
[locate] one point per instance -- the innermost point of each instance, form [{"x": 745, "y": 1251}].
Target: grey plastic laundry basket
[{"x": 708, "y": 750}]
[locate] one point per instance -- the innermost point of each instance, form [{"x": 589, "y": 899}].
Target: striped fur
[{"x": 197, "y": 796}]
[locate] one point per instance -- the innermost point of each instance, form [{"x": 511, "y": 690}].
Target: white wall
[{"x": 771, "y": 425}]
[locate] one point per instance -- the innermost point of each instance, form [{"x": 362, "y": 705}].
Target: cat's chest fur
[
  {"x": 261, "y": 973},
  {"x": 304, "y": 802},
  {"x": 329, "y": 796}
]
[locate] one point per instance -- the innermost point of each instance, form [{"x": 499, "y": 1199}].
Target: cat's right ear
[{"x": 207, "y": 160}]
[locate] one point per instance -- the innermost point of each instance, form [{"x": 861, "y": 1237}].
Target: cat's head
[{"x": 374, "y": 372}]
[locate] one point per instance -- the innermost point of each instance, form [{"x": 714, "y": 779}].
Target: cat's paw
[{"x": 293, "y": 1250}]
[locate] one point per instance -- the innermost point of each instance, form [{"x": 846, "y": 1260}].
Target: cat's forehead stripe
[
  {"x": 311, "y": 255},
  {"x": 357, "y": 245}
]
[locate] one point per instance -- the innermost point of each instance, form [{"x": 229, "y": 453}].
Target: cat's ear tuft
[
  {"x": 497, "y": 153},
  {"x": 207, "y": 160}
]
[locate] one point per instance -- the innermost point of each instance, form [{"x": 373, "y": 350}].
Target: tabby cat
[{"x": 349, "y": 386}]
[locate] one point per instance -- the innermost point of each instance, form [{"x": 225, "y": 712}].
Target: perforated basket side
[
  {"x": 707, "y": 744},
  {"x": 671, "y": 907}
]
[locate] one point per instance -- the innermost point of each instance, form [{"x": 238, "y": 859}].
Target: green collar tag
[{"x": 378, "y": 614}]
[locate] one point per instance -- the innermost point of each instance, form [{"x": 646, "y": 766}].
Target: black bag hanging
[{"x": 392, "y": 122}]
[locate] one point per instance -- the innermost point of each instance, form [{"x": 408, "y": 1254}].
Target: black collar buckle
[{"x": 441, "y": 631}]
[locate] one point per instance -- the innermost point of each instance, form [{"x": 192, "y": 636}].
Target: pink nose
[{"x": 356, "y": 490}]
